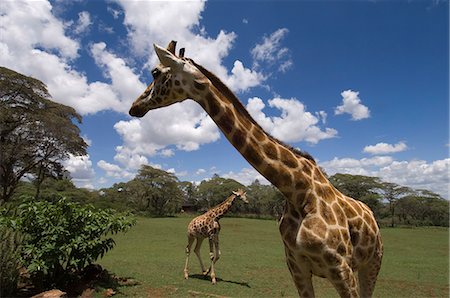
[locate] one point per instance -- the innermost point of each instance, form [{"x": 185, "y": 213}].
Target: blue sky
[{"x": 361, "y": 85}]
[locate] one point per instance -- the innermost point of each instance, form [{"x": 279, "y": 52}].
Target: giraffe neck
[
  {"x": 288, "y": 170},
  {"x": 219, "y": 210}
]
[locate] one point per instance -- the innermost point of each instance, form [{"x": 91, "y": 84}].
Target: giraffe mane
[{"x": 240, "y": 107}]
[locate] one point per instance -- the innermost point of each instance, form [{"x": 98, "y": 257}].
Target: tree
[
  {"x": 36, "y": 133},
  {"x": 156, "y": 191},
  {"x": 392, "y": 193},
  {"x": 265, "y": 199},
  {"x": 215, "y": 190}
]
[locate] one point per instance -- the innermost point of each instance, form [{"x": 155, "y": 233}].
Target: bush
[
  {"x": 63, "y": 237},
  {"x": 10, "y": 242}
]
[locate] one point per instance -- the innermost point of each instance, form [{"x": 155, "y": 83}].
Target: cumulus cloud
[
  {"x": 45, "y": 52},
  {"x": 295, "y": 123},
  {"x": 418, "y": 174},
  {"x": 158, "y": 129},
  {"x": 84, "y": 21},
  {"x": 246, "y": 176},
  {"x": 113, "y": 170},
  {"x": 351, "y": 104},
  {"x": 153, "y": 21},
  {"x": 270, "y": 51},
  {"x": 80, "y": 169},
  {"x": 384, "y": 148}
]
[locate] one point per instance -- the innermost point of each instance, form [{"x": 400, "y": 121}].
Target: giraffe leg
[
  {"x": 367, "y": 276},
  {"x": 344, "y": 280},
  {"x": 301, "y": 275},
  {"x": 198, "y": 244},
  {"x": 188, "y": 252},
  {"x": 212, "y": 255}
]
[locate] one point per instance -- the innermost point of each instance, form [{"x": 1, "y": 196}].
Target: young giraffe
[
  {"x": 325, "y": 233},
  {"x": 207, "y": 226}
]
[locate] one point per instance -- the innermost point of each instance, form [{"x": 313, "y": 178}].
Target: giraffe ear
[{"x": 167, "y": 58}]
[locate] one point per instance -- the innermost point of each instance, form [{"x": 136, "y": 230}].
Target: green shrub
[
  {"x": 63, "y": 237},
  {"x": 10, "y": 243}
]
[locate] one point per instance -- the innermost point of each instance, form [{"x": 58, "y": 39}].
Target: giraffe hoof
[{"x": 206, "y": 272}]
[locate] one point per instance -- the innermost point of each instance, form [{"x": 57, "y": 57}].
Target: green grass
[{"x": 252, "y": 263}]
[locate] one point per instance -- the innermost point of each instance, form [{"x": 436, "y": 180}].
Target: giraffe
[
  {"x": 324, "y": 232},
  {"x": 207, "y": 226}
]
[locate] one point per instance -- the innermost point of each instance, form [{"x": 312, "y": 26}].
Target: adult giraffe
[{"x": 325, "y": 233}]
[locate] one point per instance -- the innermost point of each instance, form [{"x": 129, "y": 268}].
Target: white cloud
[
  {"x": 113, "y": 170},
  {"x": 152, "y": 22},
  {"x": 200, "y": 171},
  {"x": 45, "y": 52},
  {"x": 384, "y": 148},
  {"x": 295, "y": 123},
  {"x": 80, "y": 169},
  {"x": 84, "y": 21},
  {"x": 158, "y": 129},
  {"x": 417, "y": 174},
  {"x": 243, "y": 78},
  {"x": 351, "y": 104},
  {"x": 246, "y": 176},
  {"x": 270, "y": 51}
]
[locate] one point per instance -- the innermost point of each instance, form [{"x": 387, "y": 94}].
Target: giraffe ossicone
[
  {"x": 207, "y": 226},
  {"x": 324, "y": 232}
]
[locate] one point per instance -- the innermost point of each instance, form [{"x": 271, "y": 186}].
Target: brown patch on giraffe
[
  {"x": 325, "y": 192},
  {"x": 258, "y": 134},
  {"x": 334, "y": 238},
  {"x": 177, "y": 83},
  {"x": 226, "y": 122},
  {"x": 213, "y": 106},
  {"x": 300, "y": 180},
  {"x": 310, "y": 242},
  {"x": 288, "y": 158},
  {"x": 307, "y": 168},
  {"x": 270, "y": 150},
  {"x": 283, "y": 179},
  {"x": 341, "y": 218},
  {"x": 238, "y": 138},
  {"x": 317, "y": 225},
  {"x": 180, "y": 91},
  {"x": 246, "y": 123},
  {"x": 252, "y": 155},
  {"x": 184, "y": 82},
  {"x": 348, "y": 210},
  {"x": 354, "y": 236},
  {"x": 356, "y": 206},
  {"x": 318, "y": 176},
  {"x": 341, "y": 249},
  {"x": 326, "y": 213}
]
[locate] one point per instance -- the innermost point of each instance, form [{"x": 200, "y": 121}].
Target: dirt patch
[{"x": 161, "y": 292}]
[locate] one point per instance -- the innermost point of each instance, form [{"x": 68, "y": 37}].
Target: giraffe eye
[{"x": 155, "y": 73}]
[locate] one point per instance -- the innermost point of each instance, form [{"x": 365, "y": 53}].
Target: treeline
[{"x": 154, "y": 192}]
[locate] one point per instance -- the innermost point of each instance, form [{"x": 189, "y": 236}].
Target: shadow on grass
[
  {"x": 91, "y": 280},
  {"x": 218, "y": 279}
]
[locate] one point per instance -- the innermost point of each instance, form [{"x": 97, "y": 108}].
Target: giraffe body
[
  {"x": 207, "y": 226},
  {"x": 325, "y": 233}
]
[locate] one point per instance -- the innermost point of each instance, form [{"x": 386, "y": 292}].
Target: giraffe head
[
  {"x": 240, "y": 193},
  {"x": 173, "y": 79}
]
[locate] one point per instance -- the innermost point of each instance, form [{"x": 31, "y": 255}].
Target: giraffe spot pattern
[
  {"x": 270, "y": 150},
  {"x": 288, "y": 158}
]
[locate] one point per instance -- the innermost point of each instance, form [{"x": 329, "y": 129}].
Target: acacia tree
[
  {"x": 36, "y": 133},
  {"x": 393, "y": 193},
  {"x": 215, "y": 190},
  {"x": 156, "y": 191}
]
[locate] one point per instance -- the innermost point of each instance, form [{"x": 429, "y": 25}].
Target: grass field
[{"x": 415, "y": 264}]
